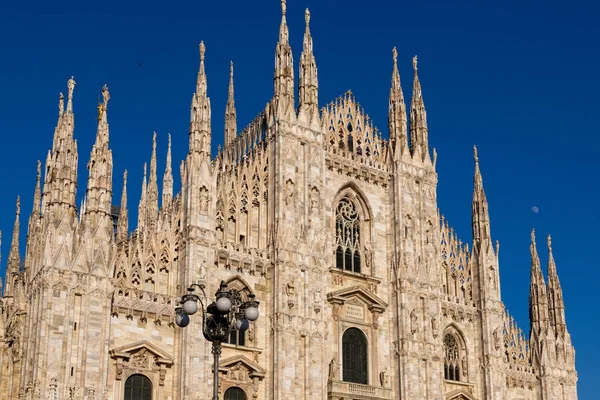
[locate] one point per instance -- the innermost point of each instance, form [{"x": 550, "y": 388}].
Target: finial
[
  {"x": 202, "y": 50},
  {"x": 145, "y": 166},
  {"x": 283, "y": 8},
  {"x": 18, "y": 205},
  {"x": 533, "y": 236},
  {"x": 125, "y": 178},
  {"x": 231, "y": 69},
  {"x": 105, "y": 95},
  {"x": 415, "y": 63},
  {"x": 549, "y": 243},
  {"x": 169, "y": 136},
  {"x": 395, "y": 55},
  {"x": 475, "y": 154},
  {"x": 307, "y": 17},
  {"x": 154, "y": 140},
  {"x": 39, "y": 169},
  {"x": 61, "y": 103}
]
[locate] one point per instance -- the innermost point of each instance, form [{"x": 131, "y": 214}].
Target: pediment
[
  {"x": 237, "y": 361},
  {"x": 372, "y": 301},
  {"x": 125, "y": 352},
  {"x": 460, "y": 394}
]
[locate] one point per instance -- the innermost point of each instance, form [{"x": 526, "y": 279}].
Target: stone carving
[
  {"x": 142, "y": 359},
  {"x": 334, "y": 368},
  {"x": 384, "y": 378},
  {"x": 496, "y": 337},
  {"x": 314, "y": 199},
  {"x": 289, "y": 192},
  {"x": 203, "y": 202},
  {"x": 202, "y": 274},
  {"x": 237, "y": 373},
  {"x": 464, "y": 366},
  {"x": 290, "y": 290},
  {"x": 434, "y": 326},
  {"x": 317, "y": 300},
  {"x": 414, "y": 320}
]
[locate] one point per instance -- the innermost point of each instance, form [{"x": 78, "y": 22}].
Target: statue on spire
[
  {"x": 202, "y": 50},
  {"x": 395, "y": 56},
  {"x": 283, "y": 8},
  {"x": 533, "y": 236},
  {"x": 105, "y": 95},
  {"x": 307, "y": 17},
  {"x": 415, "y": 63},
  {"x": 61, "y": 103},
  {"x": 549, "y": 243},
  {"x": 71, "y": 85},
  {"x": 475, "y": 154}
]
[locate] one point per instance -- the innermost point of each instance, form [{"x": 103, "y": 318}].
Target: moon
[{"x": 535, "y": 209}]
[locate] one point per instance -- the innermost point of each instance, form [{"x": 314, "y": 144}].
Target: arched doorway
[
  {"x": 354, "y": 353},
  {"x": 235, "y": 393},
  {"x": 138, "y": 387}
]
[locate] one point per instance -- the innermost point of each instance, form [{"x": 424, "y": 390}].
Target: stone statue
[
  {"x": 383, "y": 377},
  {"x": 413, "y": 321},
  {"x": 202, "y": 275},
  {"x": 464, "y": 366},
  {"x": 61, "y": 103},
  {"x": 334, "y": 368},
  {"x": 415, "y": 63},
  {"x": 203, "y": 199},
  {"x": 496, "y": 339},
  {"x": 105, "y": 95},
  {"x": 434, "y": 326}
]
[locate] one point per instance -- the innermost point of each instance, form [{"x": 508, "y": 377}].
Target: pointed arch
[
  {"x": 351, "y": 228},
  {"x": 456, "y": 364}
]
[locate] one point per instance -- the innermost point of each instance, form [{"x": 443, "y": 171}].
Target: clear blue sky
[{"x": 517, "y": 79}]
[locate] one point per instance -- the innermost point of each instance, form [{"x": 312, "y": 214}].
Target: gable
[{"x": 360, "y": 294}]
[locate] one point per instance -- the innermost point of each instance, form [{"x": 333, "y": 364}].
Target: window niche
[
  {"x": 455, "y": 357},
  {"x": 352, "y": 249}
]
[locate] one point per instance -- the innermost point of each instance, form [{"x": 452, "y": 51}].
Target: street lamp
[{"x": 218, "y": 319}]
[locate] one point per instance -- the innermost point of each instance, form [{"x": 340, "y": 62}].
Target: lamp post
[{"x": 218, "y": 319}]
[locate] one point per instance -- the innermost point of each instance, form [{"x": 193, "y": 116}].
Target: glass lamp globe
[
  {"x": 182, "y": 319},
  {"x": 251, "y": 313},
  {"x": 190, "y": 307},
  {"x": 223, "y": 304},
  {"x": 242, "y": 324}
]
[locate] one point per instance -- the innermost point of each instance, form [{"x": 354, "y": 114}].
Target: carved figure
[
  {"x": 383, "y": 377},
  {"x": 434, "y": 326},
  {"x": 202, "y": 274},
  {"x": 203, "y": 200},
  {"x": 334, "y": 368},
  {"x": 414, "y": 319},
  {"x": 496, "y": 339}
]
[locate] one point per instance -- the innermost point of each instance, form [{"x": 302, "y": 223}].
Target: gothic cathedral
[{"x": 365, "y": 290}]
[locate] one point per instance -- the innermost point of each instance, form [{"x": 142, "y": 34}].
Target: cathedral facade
[{"x": 365, "y": 291}]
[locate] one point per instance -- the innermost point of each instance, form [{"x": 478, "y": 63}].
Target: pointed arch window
[
  {"x": 354, "y": 356},
  {"x": 348, "y": 236},
  {"x": 454, "y": 358},
  {"x": 138, "y": 387}
]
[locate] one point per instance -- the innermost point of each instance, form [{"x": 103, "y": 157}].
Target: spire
[
  {"x": 284, "y": 64},
  {"x": 397, "y": 124},
  {"x": 556, "y": 306},
  {"x": 152, "y": 200},
  {"x": 230, "y": 113},
  {"x": 480, "y": 217},
  {"x": 167, "y": 192},
  {"x": 200, "y": 134},
  {"x": 99, "y": 189},
  {"x": 142, "y": 207},
  {"x": 13, "y": 265},
  {"x": 538, "y": 302},
  {"x": 308, "y": 87},
  {"x": 37, "y": 193},
  {"x": 122, "y": 228},
  {"x": 418, "y": 119},
  {"x": 60, "y": 186}
]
